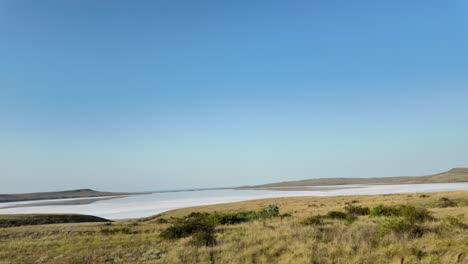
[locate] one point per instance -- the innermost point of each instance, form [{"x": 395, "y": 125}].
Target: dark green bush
[
  {"x": 351, "y": 218},
  {"x": 356, "y": 209},
  {"x": 232, "y": 218},
  {"x": 408, "y": 212},
  {"x": 336, "y": 215},
  {"x": 382, "y": 210},
  {"x": 402, "y": 226},
  {"x": 188, "y": 226},
  {"x": 268, "y": 211},
  {"x": 203, "y": 224}
]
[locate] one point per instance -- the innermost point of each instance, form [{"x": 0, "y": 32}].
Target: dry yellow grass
[{"x": 275, "y": 240}]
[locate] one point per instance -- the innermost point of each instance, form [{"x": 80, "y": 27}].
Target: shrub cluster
[
  {"x": 336, "y": 215},
  {"x": 402, "y": 219},
  {"x": 188, "y": 226},
  {"x": 234, "y": 218},
  {"x": 401, "y": 226},
  {"x": 350, "y": 215},
  {"x": 409, "y": 212},
  {"x": 201, "y": 226},
  {"x": 356, "y": 209}
]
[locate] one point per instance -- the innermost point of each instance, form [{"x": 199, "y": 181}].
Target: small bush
[
  {"x": 313, "y": 220},
  {"x": 382, "y": 210},
  {"x": 402, "y": 226},
  {"x": 268, "y": 211},
  {"x": 351, "y": 219},
  {"x": 446, "y": 202},
  {"x": 408, "y": 212},
  {"x": 231, "y": 219},
  {"x": 161, "y": 221},
  {"x": 336, "y": 215},
  {"x": 187, "y": 227},
  {"x": 423, "y": 195},
  {"x": 356, "y": 209}
]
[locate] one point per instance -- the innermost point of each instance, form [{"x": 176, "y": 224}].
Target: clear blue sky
[{"x": 145, "y": 95}]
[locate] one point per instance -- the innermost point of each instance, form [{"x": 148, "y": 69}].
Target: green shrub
[
  {"x": 382, "y": 210},
  {"x": 204, "y": 223},
  {"x": 232, "y": 218},
  {"x": 408, "y": 212},
  {"x": 313, "y": 220},
  {"x": 356, "y": 209},
  {"x": 336, "y": 215},
  {"x": 186, "y": 227},
  {"x": 268, "y": 211},
  {"x": 351, "y": 219},
  {"x": 402, "y": 226}
]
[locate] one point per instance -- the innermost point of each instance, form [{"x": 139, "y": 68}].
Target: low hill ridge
[
  {"x": 453, "y": 175},
  {"x": 78, "y": 193}
]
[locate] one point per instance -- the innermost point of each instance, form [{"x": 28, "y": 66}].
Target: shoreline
[
  {"x": 57, "y": 202},
  {"x": 140, "y": 206}
]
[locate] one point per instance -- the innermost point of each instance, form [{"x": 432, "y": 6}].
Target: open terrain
[
  {"x": 80, "y": 193},
  {"x": 453, "y": 175},
  {"x": 395, "y": 228}
]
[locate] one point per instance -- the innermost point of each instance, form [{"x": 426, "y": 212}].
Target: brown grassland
[{"x": 295, "y": 236}]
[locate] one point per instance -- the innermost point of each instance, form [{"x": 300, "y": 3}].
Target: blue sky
[{"x": 147, "y": 95}]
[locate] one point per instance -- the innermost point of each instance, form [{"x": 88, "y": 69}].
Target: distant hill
[
  {"x": 80, "y": 193},
  {"x": 44, "y": 219},
  {"x": 453, "y": 175}
]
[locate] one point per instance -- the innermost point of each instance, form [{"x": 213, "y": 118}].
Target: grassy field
[{"x": 396, "y": 228}]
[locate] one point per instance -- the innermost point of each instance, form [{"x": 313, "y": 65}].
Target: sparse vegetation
[
  {"x": 446, "y": 202},
  {"x": 456, "y": 221}
]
